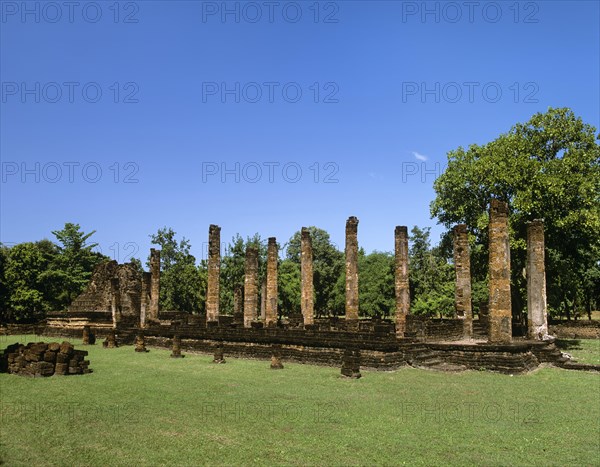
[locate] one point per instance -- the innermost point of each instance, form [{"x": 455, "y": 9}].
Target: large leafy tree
[{"x": 548, "y": 167}]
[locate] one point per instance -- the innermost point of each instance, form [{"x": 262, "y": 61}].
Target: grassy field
[{"x": 149, "y": 409}]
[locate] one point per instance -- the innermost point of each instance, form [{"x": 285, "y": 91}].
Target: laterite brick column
[
  {"x": 155, "y": 284},
  {"x": 401, "y": 278},
  {"x": 251, "y": 287},
  {"x": 537, "y": 321},
  {"x": 271, "y": 303},
  {"x": 500, "y": 308},
  {"x": 145, "y": 297},
  {"x": 306, "y": 266},
  {"x": 352, "y": 271},
  {"x": 214, "y": 270},
  {"x": 462, "y": 269}
]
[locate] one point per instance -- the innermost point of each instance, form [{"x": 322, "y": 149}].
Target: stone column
[
  {"x": 462, "y": 270},
  {"x": 306, "y": 266},
  {"x": 214, "y": 270},
  {"x": 263, "y": 300},
  {"x": 251, "y": 286},
  {"x": 238, "y": 313},
  {"x": 271, "y": 303},
  {"x": 537, "y": 321},
  {"x": 500, "y": 308},
  {"x": 115, "y": 301},
  {"x": 155, "y": 284},
  {"x": 145, "y": 302},
  {"x": 352, "y": 270},
  {"x": 401, "y": 278}
]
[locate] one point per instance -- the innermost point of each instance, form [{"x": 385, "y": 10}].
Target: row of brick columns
[{"x": 499, "y": 305}]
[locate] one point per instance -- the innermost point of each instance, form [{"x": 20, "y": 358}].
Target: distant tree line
[{"x": 548, "y": 167}]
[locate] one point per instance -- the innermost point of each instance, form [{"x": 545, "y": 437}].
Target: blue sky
[{"x": 266, "y": 117}]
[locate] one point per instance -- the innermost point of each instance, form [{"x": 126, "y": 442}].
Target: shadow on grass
[{"x": 568, "y": 344}]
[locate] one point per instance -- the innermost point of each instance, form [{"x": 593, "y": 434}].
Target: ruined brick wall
[
  {"x": 575, "y": 329},
  {"x": 352, "y": 269},
  {"x": 42, "y": 359},
  {"x": 427, "y": 329},
  {"x": 401, "y": 279},
  {"x": 306, "y": 267},
  {"x": 500, "y": 308},
  {"x": 111, "y": 285},
  {"x": 462, "y": 268}
]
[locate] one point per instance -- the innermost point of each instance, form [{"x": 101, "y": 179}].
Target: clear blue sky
[{"x": 405, "y": 82}]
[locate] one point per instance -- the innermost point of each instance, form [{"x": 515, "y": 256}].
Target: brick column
[
  {"x": 462, "y": 269},
  {"x": 271, "y": 303},
  {"x": 154, "y": 284},
  {"x": 238, "y": 301},
  {"x": 251, "y": 286},
  {"x": 145, "y": 305},
  {"x": 306, "y": 266},
  {"x": 115, "y": 301},
  {"x": 537, "y": 321},
  {"x": 401, "y": 278},
  {"x": 500, "y": 311},
  {"x": 263, "y": 300},
  {"x": 214, "y": 269},
  {"x": 352, "y": 270}
]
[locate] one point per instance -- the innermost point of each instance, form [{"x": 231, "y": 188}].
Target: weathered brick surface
[
  {"x": 42, "y": 359},
  {"x": 154, "y": 284},
  {"x": 306, "y": 267},
  {"x": 537, "y": 321},
  {"x": 145, "y": 298},
  {"x": 462, "y": 268},
  {"x": 271, "y": 302},
  {"x": 401, "y": 279},
  {"x": 500, "y": 309},
  {"x": 352, "y": 269},
  {"x": 251, "y": 287},
  {"x": 214, "y": 269}
]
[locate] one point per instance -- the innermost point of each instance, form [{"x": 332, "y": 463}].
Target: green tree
[
  {"x": 289, "y": 287},
  {"x": 376, "y": 284},
  {"x": 548, "y": 167},
  {"x": 431, "y": 276},
  {"x": 181, "y": 280},
  {"x": 74, "y": 264}
]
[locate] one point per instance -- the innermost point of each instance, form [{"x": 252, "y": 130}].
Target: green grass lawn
[
  {"x": 582, "y": 350},
  {"x": 148, "y": 409}
]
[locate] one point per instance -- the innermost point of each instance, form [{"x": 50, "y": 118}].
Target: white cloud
[{"x": 419, "y": 157}]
